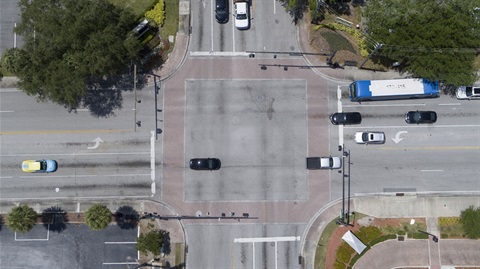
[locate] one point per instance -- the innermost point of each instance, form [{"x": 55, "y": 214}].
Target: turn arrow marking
[
  {"x": 397, "y": 138},
  {"x": 97, "y": 141}
]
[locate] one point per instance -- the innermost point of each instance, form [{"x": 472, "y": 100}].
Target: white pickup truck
[{"x": 329, "y": 162}]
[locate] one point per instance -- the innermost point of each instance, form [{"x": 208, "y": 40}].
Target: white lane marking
[
  {"x": 119, "y": 243},
  {"x": 75, "y": 176},
  {"x": 78, "y": 154},
  {"x": 120, "y": 263},
  {"x": 219, "y": 53},
  {"x": 452, "y": 104},
  {"x": 266, "y": 239},
  {"x": 6, "y": 177},
  {"x": 339, "y": 108},
  {"x": 82, "y": 109},
  {"x": 363, "y": 105},
  {"x": 413, "y": 126},
  {"x": 97, "y": 141},
  {"x": 6, "y": 90},
  {"x": 6, "y": 111},
  {"x": 14, "y": 36},
  {"x": 397, "y": 138},
  {"x": 431, "y": 170},
  {"x": 78, "y": 207},
  {"x": 274, "y": 12},
  {"x": 88, "y": 198},
  {"x": 211, "y": 25},
  {"x": 152, "y": 162}
]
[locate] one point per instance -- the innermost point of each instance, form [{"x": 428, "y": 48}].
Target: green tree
[
  {"x": 97, "y": 217},
  {"x": 21, "y": 218},
  {"x": 67, "y": 42},
  {"x": 157, "y": 14},
  {"x": 470, "y": 219},
  {"x": 432, "y": 39},
  {"x": 152, "y": 242}
]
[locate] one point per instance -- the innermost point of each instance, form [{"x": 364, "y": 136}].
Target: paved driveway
[{"x": 418, "y": 253}]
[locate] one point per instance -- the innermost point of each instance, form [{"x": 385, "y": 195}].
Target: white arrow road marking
[
  {"x": 397, "y": 138},
  {"x": 97, "y": 141}
]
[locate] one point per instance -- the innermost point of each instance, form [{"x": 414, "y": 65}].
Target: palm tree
[
  {"x": 98, "y": 217},
  {"x": 21, "y": 219}
]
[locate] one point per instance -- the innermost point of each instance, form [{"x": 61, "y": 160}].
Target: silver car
[
  {"x": 468, "y": 92},
  {"x": 369, "y": 137}
]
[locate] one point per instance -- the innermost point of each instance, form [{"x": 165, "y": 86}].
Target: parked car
[
  {"x": 416, "y": 117},
  {"x": 39, "y": 166},
  {"x": 221, "y": 11},
  {"x": 468, "y": 92},
  {"x": 242, "y": 15},
  {"x": 205, "y": 164},
  {"x": 346, "y": 118},
  {"x": 330, "y": 162},
  {"x": 369, "y": 137}
]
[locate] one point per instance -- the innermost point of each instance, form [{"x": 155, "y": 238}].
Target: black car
[
  {"x": 416, "y": 117},
  {"x": 221, "y": 11},
  {"x": 205, "y": 164},
  {"x": 346, "y": 118}
]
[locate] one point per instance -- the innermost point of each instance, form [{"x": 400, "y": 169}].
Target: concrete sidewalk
[{"x": 430, "y": 206}]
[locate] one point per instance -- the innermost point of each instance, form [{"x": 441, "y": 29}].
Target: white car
[
  {"x": 330, "y": 162},
  {"x": 369, "y": 137},
  {"x": 468, "y": 92},
  {"x": 242, "y": 18}
]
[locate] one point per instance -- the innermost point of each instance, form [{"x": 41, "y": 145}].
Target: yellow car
[{"x": 39, "y": 166}]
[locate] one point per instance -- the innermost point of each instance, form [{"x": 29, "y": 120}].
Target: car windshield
[
  {"x": 468, "y": 91},
  {"x": 365, "y": 136},
  {"x": 43, "y": 165},
  {"x": 242, "y": 16},
  {"x": 210, "y": 164}
]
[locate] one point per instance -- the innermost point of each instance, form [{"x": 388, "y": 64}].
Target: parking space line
[
  {"x": 119, "y": 243},
  {"x": 41, "y": 239}
]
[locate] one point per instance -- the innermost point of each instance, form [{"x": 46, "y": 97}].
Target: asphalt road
[
  {"x": 118, "y": 165},
  {"x": 9, "y": 15},
  {"x": 271, "y": 30},
  {"x": 414, "y": 158}
]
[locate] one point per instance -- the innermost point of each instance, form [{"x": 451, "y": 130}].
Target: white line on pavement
[
  {"x": 266, "y": 239},
  {"x": 6, "y": 111},
  {"x": 119, "y": 243},
  {"x": 152, "y": 162},
  {"x": 431, "y": 170},
  {"x": 78, "y": 154},
  {"x": 218, "y": 53},
  {"x": 363, "y": 105},
  {"x": 75, "y": 176},
  {"x": 452, "y": 104},
  {"x": 413, "y": 126}
]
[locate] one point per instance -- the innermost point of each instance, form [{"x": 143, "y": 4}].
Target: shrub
[
  {"x": 444, "y": 236},
  {"x": 367, "y": 234},
  {"x": 157, "y": 14},
  {"x": 470, "y": 219},
  {"x": 344, "y": 253},
  {"x": 338, "y": 265},
  {"x": 359, "y": 37},
  {"x": 381, "y": 239},
  {"x": 401, "y": 232},
  {"x": 418, "y": 235}
]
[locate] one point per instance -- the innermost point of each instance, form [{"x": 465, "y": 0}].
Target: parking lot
[
  {"x": 74, "y": 247},
  {"x": 257, "y": 128}
]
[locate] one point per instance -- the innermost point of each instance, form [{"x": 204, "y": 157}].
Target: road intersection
[{"x": 262, "y": 116}]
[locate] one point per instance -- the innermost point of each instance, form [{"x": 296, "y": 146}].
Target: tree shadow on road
[
  {"x": 127, "y": 218},
  {"x": 54, "y": 219}
]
